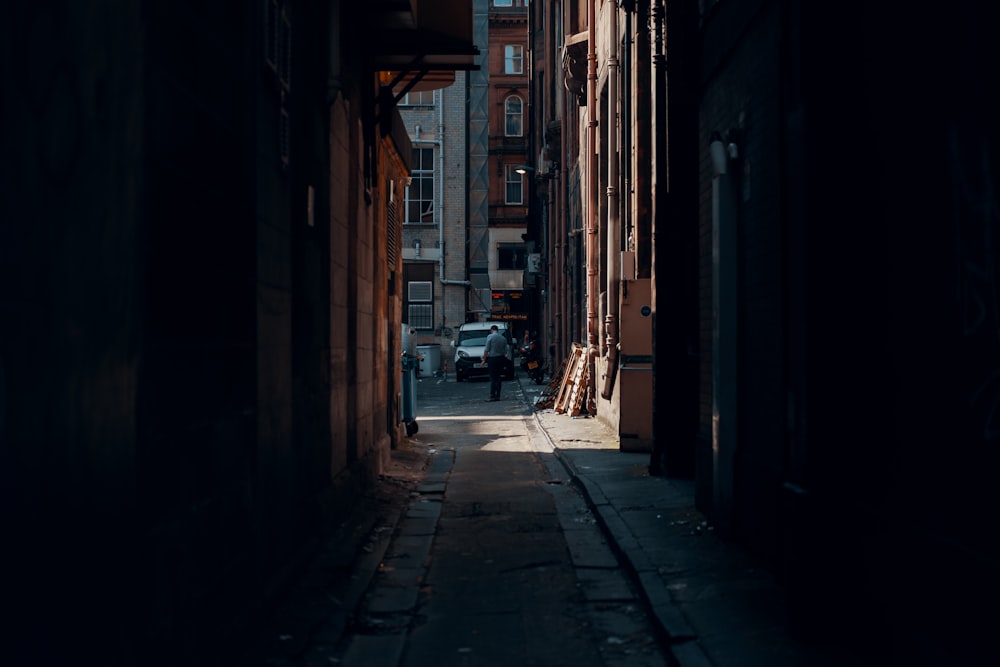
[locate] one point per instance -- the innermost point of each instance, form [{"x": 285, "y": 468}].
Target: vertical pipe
[
  {"x": 614, "y": 215},
  {"x": 564, "y": 220},
  {"x": 592, "y": 247}
]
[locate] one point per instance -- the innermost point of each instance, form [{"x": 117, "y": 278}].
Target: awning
[{"x": 422, "y": 43}]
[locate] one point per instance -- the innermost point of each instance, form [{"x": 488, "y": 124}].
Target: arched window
[{"x": 514, "y": 111}]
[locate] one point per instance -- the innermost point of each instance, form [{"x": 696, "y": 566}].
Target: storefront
[{"x": 512, "y": 306}]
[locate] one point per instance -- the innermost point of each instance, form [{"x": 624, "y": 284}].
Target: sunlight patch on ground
[
  {"x": 470, "y": 418},
  {"x": 512, "y": 444}
]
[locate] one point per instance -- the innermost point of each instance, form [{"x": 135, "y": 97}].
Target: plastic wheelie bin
[{"x": 410, "y": 364}]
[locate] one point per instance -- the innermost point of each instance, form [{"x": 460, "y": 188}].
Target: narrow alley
[
  {"x": 755, "y": 240},
  {"x": 528, "y": 538},
  {"x": 496, "y": 560}
]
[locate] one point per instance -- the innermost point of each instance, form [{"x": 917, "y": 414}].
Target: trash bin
[
  {"x": 410, "y": 393},
  {"x": 430, "y": 363}
]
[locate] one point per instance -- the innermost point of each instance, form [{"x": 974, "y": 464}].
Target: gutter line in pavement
[{"x": 674, "y": 633}]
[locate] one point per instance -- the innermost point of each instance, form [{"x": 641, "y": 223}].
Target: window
[
  {"x": 512, "y": 256},
  {"x": 515, "y": 186},
  {"x": 514, "y": 112},
  {"x": 419, "y": 98},
  {"x": 420, "y": 192},
  {"x": 503, "y": 3},
  {"x": 420, "y": 309},
  {"x": 513, "y": 59},
  {"x": 418, "y": 304}
]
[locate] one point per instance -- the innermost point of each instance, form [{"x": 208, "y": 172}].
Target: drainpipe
[
  {"x": 592, "y": 249},
  {"x": 614, "y": 218}
]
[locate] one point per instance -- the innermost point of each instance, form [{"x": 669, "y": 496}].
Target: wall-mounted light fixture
[
  {"x": 722, "y": 151},
  {"x": 717, "y": 151},
  {"x": 525, "y": 169}
]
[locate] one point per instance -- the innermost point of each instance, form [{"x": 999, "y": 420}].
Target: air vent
[
  {"x": 391, "y": 241},
  {"x": 419, "y": 290}
]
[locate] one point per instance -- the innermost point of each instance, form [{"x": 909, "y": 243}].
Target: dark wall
[
  {"x": 145, "y": 516},
  {"x": 198, "y": 386},
  {"x": 742, "y": 69},
  {"x": 869, "y": 333},
  {"x": 70, "y": 323},
  {"x": 676, "y": 231},
  {"x": 936, "y": 148}
]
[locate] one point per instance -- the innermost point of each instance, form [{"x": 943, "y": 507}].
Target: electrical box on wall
[
  {"x": 636, "y": 365},
  {"x": 628, "y": 265},
  {"x": 534, "y": 262}
]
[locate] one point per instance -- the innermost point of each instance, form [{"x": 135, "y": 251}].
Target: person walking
[{"x": 494, "y": 355}]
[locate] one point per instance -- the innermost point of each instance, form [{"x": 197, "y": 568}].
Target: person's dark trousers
[{"x": 495, "y": 366}]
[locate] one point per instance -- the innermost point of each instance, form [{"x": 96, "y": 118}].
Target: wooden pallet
[
  {"x": 547, "y": 399},
  {"x": 573, "y": 390}
]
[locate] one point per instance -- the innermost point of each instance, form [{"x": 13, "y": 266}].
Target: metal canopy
[{"x": 422, "y": 43}]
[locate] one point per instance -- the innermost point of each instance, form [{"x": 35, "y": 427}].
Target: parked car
[{"x": 469, "y": 350}]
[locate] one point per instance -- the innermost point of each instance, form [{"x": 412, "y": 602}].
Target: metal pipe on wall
[
  {"x": 593, "y": 289},
  {"x": 567, "y": 296},
  {"x": 614, "y": 214}
]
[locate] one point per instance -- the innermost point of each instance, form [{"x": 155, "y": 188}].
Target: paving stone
[{"x": 604, "y": 584}]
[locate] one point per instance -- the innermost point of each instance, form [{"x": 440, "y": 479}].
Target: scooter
[{"x": 531, "y": 361}]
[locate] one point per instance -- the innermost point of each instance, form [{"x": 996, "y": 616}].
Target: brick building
[
  {"x": 507, "y": 113},
  {"x": 435, "y": 236}
]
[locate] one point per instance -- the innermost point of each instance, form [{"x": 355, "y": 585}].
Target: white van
[{"x": 469, "y": 350}]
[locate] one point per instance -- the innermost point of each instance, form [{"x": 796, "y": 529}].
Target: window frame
[
  {"x": 419, "y": 274},
  {"x": 510, "y": 116},
  {"x": 420, "y": 176},
  {"x": 509, "y": 181},
  {"x": 518, "y": 253},
  {"x": 510, "y": 58},
  {"x": 417, "y": 98}
]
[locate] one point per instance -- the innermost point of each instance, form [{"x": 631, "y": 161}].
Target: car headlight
[{"x": 463, "y": 354}]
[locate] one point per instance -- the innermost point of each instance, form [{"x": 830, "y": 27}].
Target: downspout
[
  {"x": 569, "y": 295},
  {"x": 614, "y": 215},
  {"x": 592, "y": 249},
  {"x": 440, "y": 205}
]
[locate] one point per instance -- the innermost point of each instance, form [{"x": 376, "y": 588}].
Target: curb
[{"x": 675, "y": 634}]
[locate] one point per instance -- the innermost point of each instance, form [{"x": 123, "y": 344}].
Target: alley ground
[
  {"x": 494, "y": 557},
  {"x": 502, "y": 536}
]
